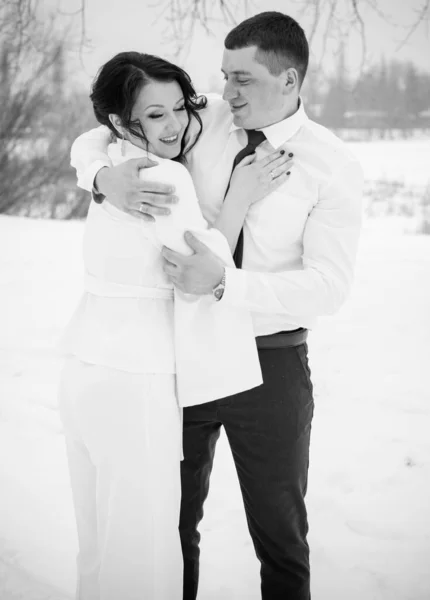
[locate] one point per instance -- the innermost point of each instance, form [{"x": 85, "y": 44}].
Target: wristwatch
[{"x": 218, "y": 290}]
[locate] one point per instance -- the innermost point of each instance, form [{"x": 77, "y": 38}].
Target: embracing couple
[{"x": 219, "y": 230}]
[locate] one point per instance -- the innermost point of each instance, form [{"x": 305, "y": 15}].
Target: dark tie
[{"x": 255, "y": 138}]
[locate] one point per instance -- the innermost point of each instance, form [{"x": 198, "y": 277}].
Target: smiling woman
[
  {"x": 160, "y": 112},
  {"x": 147, "y": 101}
]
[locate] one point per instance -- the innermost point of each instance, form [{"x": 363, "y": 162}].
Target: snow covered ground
[
  {"x": 369, "y": 490},
  {"x": 405, "y": 161}
]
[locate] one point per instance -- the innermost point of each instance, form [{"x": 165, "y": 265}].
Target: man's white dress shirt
[
  {"x": 300, "y": 242},
  {"x": 130, "y": 318}
]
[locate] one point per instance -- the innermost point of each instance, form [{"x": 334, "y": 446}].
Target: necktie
[{"x": 255, "y": 138}]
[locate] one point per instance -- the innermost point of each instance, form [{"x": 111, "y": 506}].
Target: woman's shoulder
[{"x": 166, "y": 171}]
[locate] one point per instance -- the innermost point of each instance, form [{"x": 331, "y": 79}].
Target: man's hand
[
  {"x": 196, "y": 274},
  {"x": 126, "y": 191}
]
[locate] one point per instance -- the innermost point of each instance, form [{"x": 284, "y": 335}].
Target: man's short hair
[{"x": 280, "y": 40}]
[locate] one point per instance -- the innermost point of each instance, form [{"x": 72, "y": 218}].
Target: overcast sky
[{"x": 118, "y": 25}]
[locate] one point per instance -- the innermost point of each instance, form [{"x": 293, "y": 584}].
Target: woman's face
[{"x": 161, "y": 110}]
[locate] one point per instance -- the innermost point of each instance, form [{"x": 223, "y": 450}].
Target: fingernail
[
  {"x": 288, "y": 172},
  {"x": 282, "y": 152},
  {"x": 175, "y": 199},
  {"x": 291, "y": 154}
]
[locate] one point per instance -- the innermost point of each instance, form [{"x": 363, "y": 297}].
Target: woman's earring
[{"x": 123, "y": 146}]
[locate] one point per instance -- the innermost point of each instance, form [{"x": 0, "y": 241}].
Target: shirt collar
[{"x": 281, "y": 132}]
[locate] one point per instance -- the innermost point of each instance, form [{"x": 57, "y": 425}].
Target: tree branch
[
  {"x": 362, "y": 30},
  {"x": 422, "y": 13}
]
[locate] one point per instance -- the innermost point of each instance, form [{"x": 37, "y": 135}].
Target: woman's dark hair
[
  {"x": 119, "y": 81},
  {"x": 280, "y": 41}
]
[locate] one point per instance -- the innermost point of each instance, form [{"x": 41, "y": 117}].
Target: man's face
[{"x": 256, "y": 97}]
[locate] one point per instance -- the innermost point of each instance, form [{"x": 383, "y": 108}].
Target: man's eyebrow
[
  {"x": 238, "y": 72},
  {"x": 162, "y": 105}
]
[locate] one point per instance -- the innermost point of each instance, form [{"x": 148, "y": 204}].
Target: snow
[
  {"x": 406, "y": 162},
  {"x": 369, "y": 482}
]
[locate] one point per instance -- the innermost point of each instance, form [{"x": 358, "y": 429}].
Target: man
[{"x": 295, "y": 260}]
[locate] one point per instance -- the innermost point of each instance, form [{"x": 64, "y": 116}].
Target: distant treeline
[{"x": 387, "y": 97}]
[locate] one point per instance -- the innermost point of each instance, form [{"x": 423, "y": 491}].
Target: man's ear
[
  {"x": 290, "y": 80},
  {"x": 116, "y": 122}
]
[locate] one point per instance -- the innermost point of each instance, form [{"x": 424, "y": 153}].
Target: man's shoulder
[{"x": 333, "y": 144}]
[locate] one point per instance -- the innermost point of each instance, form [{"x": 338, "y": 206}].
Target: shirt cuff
[
  {"x": 235, "y": 287},
  {"x": 87, "y": 180}
]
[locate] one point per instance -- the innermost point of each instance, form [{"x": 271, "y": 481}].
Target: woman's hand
[
  {"x": 251, "y": 181},
  {"x": 254, "y": 179}
]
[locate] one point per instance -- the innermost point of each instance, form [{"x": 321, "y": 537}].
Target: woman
[{"x": 135, "y": 345}]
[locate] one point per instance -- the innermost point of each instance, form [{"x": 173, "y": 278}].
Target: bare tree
[{"x": 37, "y": 121}]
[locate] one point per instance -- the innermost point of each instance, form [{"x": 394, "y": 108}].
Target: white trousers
[{"x": 123, "y": 437}]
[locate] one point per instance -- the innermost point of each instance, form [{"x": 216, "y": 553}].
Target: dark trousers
[{"x": 268, "y": 429}]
